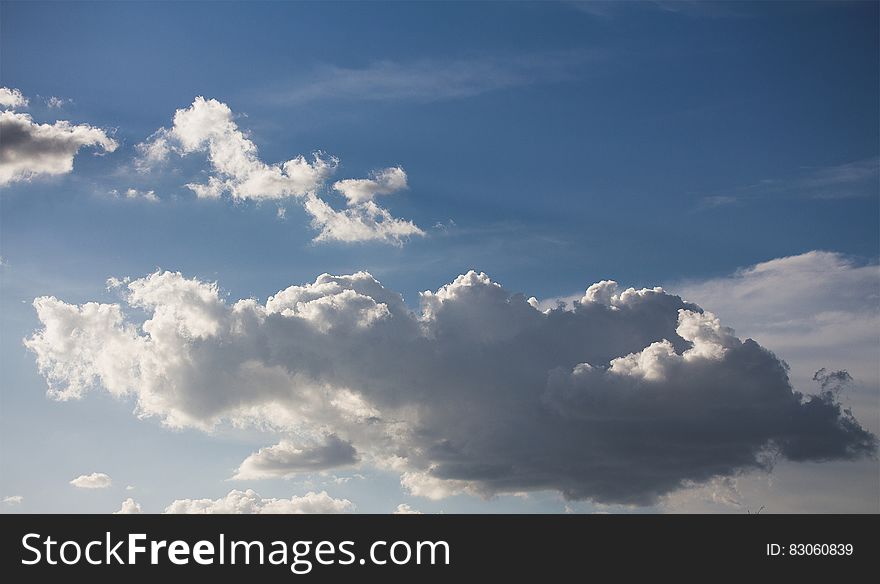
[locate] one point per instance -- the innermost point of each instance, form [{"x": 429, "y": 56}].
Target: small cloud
[
  {"x": 30, "y": 149},
  {"x": 444, "y": 226},
  {"x": 57, "y": 102},
  {"x": 96, "y": 480},
  {"x": 717, "y": 201},
  {"x": 381, "y": 182},
  {"x": 132, "y": 194},
  {"x": 12, "y": 98},
  {"x": 113, "y": 282},
  {"x": 287, "y": 459},
  {"x": 129, "y": 488},
  {"x": 129, "y": 507},
  {"x": 404, "y": 509},
  {"x": 344, "y": 480},
  {"x": 13, "y": 500}
]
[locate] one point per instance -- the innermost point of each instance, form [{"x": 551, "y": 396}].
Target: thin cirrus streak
[{"x": 430, "y": 80}]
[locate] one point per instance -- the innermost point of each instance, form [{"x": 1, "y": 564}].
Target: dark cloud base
[{"x": 628, "y": 396}]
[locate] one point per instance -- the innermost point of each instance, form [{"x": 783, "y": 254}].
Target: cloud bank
[
  {"x": 96, "y": 480},
  {"x": 249, "y": 502},
  {"x": 30, "y": 149},
  {"x": 209, "y": 126},
  {"x": 624, "y": 398}
]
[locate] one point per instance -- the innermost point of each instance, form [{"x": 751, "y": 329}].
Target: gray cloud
[
  {"x": 30, "y": 149},
  {"x": 286, "y": 459},
  {"x": 622, "y": 399}
]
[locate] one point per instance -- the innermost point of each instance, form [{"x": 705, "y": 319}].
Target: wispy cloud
[
  {"x": 432, "y": 80},
  {"x": 691, "y": 8},
  {"x": 713, "y": 201},
  {"x": 843, "y": 180},
  {"x": 858, "y": 178}
]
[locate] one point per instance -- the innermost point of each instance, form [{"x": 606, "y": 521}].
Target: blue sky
[{"x": 550, "y": 145}]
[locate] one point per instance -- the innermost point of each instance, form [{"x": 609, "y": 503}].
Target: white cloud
[
  {"x": 96, "y": 480},
  {"x": 817, "y": 309},
  {"x": 133, "y": 194},
  {"x": 12, "y": 98},
  {"x": 249, "y": 502},
  {"x": 209, "y": 126},
  {"x": 404, "y": 509},
  {"x": 129, "y": 488},
  {"x": 383, "y": 182},
  {"x": 13, "y": 500},
  {"x": 54, "y": 102},
  {"x": 364, "y": 222},
  {"x": 153, "y": 152},
  {"x": 129, "y": 507},
  {"x": 425, "y": 484},
  {"x": 622, "y": 399}
]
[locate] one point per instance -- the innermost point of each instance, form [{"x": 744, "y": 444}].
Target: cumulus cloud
[
  {"x": 12, "y": 98},
  {"x": 96, "y": 480},
  {"x": 364, "y": 222},
  {"x": 30, "y": 149},
  {"x": 249, "y": 502},
  {"x": 623, "y": 398},
  {"x": 129, "y": 507},
  {"x": 815, "y": 309},
  {"x": 209, "y": 126},
  {"x": 286, "y": 459},
  {"x": 383, "y": 182},
  {"x": 404, "y": 509},
  {"x": 13, "y": 500}
]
